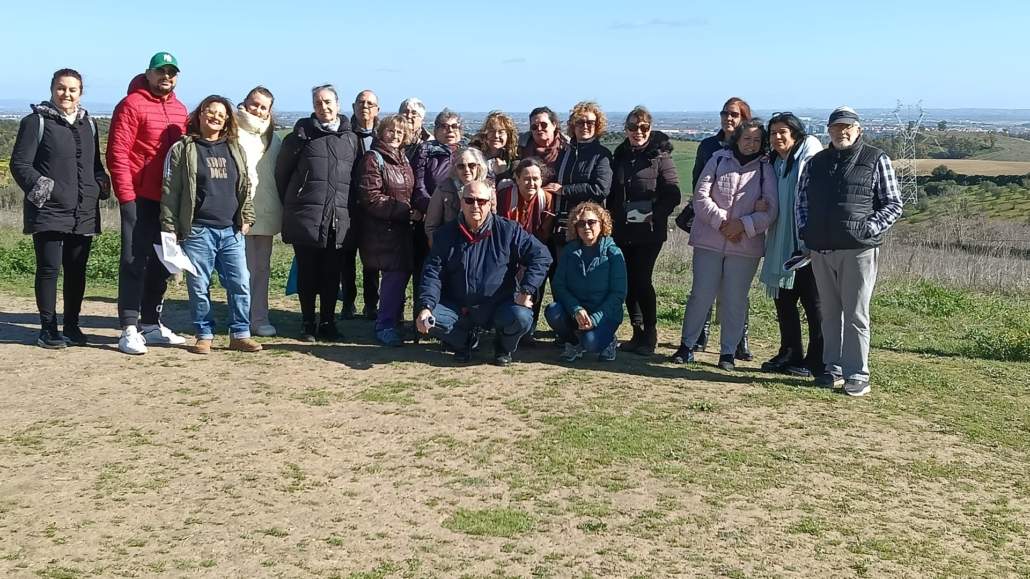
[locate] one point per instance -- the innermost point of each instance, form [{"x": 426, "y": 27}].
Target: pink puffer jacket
[{"x": 727, "y": 191}]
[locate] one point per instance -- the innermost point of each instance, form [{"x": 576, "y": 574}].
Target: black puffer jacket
[
  {"x": 63, "y": 168},
  {"x": 585, "y": 174},
  {"x": 313, "y": 175},
  {"x": 647, "y": 177}
]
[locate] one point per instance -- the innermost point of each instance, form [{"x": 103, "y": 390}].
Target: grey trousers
[
  {"x": 259, "y": 256},
  {"x": 845, "y": 279},
  {"x": 727, "y": 277}
]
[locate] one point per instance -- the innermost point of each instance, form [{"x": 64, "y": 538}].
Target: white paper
[{"x": 171, "y": 255}]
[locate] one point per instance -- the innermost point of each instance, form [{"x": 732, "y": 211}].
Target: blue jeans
[
  {"x": 567, "y": 329},
  {"x": 509, "y": 320},
  {"x": 224, "y": 251}
]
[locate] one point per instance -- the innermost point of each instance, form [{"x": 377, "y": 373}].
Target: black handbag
[{"x": 685, "y": 220}]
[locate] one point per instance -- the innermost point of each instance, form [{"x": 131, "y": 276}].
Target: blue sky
[{"x": 476, "y": 56}]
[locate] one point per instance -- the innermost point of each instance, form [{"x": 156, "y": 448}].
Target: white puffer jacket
[{"x": 268, "y": 210}]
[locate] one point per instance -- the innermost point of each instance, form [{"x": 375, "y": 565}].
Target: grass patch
[
  {"x": 495, "y": 522},
  {"x": 396, "y": 392}
]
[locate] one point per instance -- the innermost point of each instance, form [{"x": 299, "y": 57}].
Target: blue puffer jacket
[
  {"x": 468, "y": 273},
  {"x": 599, "y": 287}
]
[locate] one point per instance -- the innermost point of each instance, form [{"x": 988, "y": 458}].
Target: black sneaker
[
  {"x": 327, "y": 332},
  {"x": 51, "y": 339},
  {"x": 726, "y": 362},
  {"x": 74, "y": 336},
  {"x": 797, "y": 370},
  {"x": 829, "y": 380},
  {"x": 307, "y": 332},
  {"x": 683, "y": 355},
  {"x": 856, "y": 387},
  {"x": 502, "y": 359}
]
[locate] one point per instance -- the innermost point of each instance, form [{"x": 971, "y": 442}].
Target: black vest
[{"x": 841, "y": 198}]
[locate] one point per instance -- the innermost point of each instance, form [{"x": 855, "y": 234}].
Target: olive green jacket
[{"x": 179, "y": 188}]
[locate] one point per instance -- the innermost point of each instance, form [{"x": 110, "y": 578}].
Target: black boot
[
  {"x": 702, "y": 340},
  {"x": 327, "y": 331},
  {"x": 648, "y": 341},
  {"x": 635, "y": 342},
  {"x": 780, "y": 361},
  {"x": 308, "y": 331},
  {"x": 743, "y": 352}
]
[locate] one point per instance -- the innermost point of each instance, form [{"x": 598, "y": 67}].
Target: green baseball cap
[{"x": 163, "y": 59}]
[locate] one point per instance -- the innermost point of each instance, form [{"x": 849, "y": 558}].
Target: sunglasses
[
  {"x": 587, "y": 223},
  {"x": 469, "y": 166},
  {"x": 642, "y": 127},
  {"x": 729, "y": 114},
  {"x": 585, "y": 123},
  {"x": 481, "y": 201},
  {"x": 539, "y": 126}
]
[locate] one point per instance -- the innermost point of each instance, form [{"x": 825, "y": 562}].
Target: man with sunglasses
[
  {"x": 144, "y": 126},
  {"x": 848, "y": 197},
  {"x": 482, "y": 272}
]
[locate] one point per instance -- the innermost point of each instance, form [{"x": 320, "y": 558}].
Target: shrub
[{"x": 1007, "y": 343}]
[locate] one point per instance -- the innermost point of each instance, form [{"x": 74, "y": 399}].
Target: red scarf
[{"x": 548, "y": 154}]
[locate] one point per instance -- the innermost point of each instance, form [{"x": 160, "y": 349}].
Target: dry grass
[{"x": 989, "y": 168}]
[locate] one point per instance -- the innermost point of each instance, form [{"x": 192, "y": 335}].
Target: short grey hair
[
  {"x": 414, "y": 104},
  {"x": 467, "y": 188},
  {"x": 446, "y": 115},
  {"x": 322, "y": 87},
  {"x": 480, "y": 159}
]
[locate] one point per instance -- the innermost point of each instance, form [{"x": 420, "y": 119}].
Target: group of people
[{"x": 481, "y": 225}]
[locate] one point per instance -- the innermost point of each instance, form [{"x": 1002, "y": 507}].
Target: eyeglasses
[
  {"x": 367, "y": 104},
  {"x": 540, "y": 126},
  {"x": 469, "y": 166},
  {"x": 168, "y": 71},
  {"x": 584, "y": 223},
  {"x": 215, "y": 115},
  {"x": 730, "y": 114},
  {"x": 450, "y": 127},
  {"x": 642, "y": 127},
  {"x": 481, "y": 201},
  {"x": 585, "y": 123}
]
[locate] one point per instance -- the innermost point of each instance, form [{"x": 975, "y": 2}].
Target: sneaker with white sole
[
  {"x": 132, "y": 342},
  {"x": 160, "y": 334},
  {"x": 608, "y": 353},
  {"x": 263, "y": 330},
  {"x": 572, "y": 352},
  {"x": 856, "y": 387}
]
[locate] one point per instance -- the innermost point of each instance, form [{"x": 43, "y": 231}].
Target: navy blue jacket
[
  {"x": 705, "y": 150},
  {"x": 466, "y": 274}
]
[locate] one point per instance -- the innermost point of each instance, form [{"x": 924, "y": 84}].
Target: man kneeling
[{"x": 482, "y": 272}]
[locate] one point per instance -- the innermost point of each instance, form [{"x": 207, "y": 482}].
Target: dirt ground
[{"x": 352, "y": 460}]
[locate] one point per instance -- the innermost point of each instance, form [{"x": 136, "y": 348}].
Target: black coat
[
  {"x": 585, "y": 174},
  {"x": 647, "y": 176},
  {"x": 313, "y": 176},
  {"x": 69, "y": 155}
]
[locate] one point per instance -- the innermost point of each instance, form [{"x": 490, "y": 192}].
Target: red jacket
[{"x": 143, "y": 128}]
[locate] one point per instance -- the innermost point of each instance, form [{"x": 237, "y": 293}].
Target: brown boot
[
  {"x": 203, "y": 346},
  {"x": 244, "y": 345}
]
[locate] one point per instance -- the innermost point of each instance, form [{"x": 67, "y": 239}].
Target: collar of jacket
[
  {"x": 485, "y": 231},
  {"x": 48, "y": 109},
  {"x": 657, "y": 144}
]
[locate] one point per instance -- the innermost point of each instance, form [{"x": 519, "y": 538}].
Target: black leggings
[
  {"x": 54, "y": 250},
  {"x": 789, "y": 319},
  {"x": 318, "y": 275},
  {"x": 641, "y": 299}
]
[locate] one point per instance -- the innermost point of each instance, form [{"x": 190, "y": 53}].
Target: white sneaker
[
  {"x": 572, "y": 352},
  {"x": 132, "y": 342},
  {"x": 264, "y": 330},
  {"x": 159, "y": 334}
]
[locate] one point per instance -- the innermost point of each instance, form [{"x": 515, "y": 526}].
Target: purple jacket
[
  {"x": 727, "y": 191},
  {"x": 432, "y": 166}
]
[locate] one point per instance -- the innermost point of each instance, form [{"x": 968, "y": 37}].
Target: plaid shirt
[{"x": 885, "y": 188}]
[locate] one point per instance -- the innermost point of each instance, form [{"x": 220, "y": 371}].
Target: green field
[{"x": 1006, "y": 149}]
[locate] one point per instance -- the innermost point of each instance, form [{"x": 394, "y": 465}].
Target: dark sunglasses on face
[
  {"x": 469, "y": 166},
  {"x": 729, "y": 114},
  {"x": 642, "y": 127},
  {"x": 585, "y": 123},
  {"x": 475, "y": 201},
  {"x": 539, "y": 126},
  {"x": 583, "y": 224}
]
